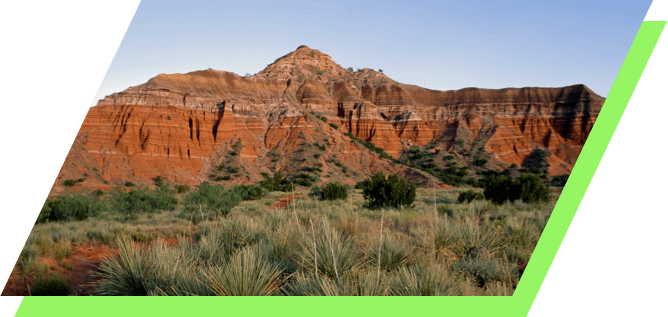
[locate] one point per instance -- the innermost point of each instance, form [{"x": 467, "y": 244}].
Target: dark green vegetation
[
  {"x": 391, "y": 192},
  {"x": 279, "y": 183},
  {"x": 52, "y": 285},
  {"x": 528, "y": 188},
  {"x": 334, "y": 191}
]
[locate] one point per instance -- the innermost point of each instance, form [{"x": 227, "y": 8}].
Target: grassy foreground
[{"x": 311, "y": 247}]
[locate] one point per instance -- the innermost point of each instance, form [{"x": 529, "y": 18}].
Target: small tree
[
  {"x": 333, "y": 191},
  {"x": 391, "y": 192}
]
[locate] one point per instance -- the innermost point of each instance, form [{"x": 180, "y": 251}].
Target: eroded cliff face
[{"x": 186, "y": 126}]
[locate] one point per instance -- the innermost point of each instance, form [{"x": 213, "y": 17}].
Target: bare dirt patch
[{"x": 285, "y": 201}]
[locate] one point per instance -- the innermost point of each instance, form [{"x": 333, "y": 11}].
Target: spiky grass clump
[
  {"x": 422, "y": 281},
  {"x": 460, "y": 238},
  {"x": 483, "y": 271},
  {"x": 394, "y": 253},
  {"x": 346, "y": 253},
  {"x": 142, "y": 271},
  {"x": 249, "y": 273},
  {"x": 62, "y": 249},
  {"x": 361, "y": 283},
  {"x": 44, "y": 243}
]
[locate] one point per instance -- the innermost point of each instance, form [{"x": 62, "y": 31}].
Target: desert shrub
[
  {"x": 446, "y": 210},
  {"x": 227, "y": 177},
  {"x": 53, "y": 285},
  {"x": 213, "y": 199},
  {"x": 481, "y": 162},
  {"x": 336, "y": 127},
  {"x": 316, "y": 191},
  {"x": 142, "y": 200},
  {"x": 532, "y": 189},
  {"x": 159, "y": 181},
  {"x": 469, "y": 196},
  {"x": 70, "y": 207},
  {"x": 69, "y": 182},
  {"x": 182, "y": 188},
  {"x": 334, "y": 191},
  {"x": 499, "y": 189},
  {"x": 483, "y": 271},
  {"x": 249, "y": 192},
  {"x": 529, "y": 188},
  {"x": 391, "y": 192},
  {"x": 421, "y": 281},
  {"x": 560, "y": 181},
  {"x": 129, "y": 184},
  {"x": 98, "y": 192}
]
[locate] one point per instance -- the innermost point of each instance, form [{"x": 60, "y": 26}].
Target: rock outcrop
[{"x": 292, "y": 117}]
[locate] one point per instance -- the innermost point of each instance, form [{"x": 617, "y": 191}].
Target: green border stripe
[{"x": 516, "y": 305}]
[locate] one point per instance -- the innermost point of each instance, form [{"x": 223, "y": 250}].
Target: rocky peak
[{"x": 305, "y": 62}]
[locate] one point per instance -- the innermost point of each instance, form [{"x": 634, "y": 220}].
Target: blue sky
[{"x": 439, "y": 45}]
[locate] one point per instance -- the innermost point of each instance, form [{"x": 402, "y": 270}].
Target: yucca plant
[
  {"x": 483, "y": 271},
  {"x": 347, "y": 255},
  {"x": 461, "y": 238},
  {"x": 357, "y": 284},
  {"x": 308, "y": 285},
  {"x": 249, "y": 273},
  {"x": 421, "y": 280},
  {"x": 394, "y": 253},
  {"x": 127, "y": 276}
]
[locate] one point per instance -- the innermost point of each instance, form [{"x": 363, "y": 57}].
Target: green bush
[
  {"x": 54, "y": 285},
  {"x": 528, "y": 187},
  {"x": 142, "y": 200},
  {"x": 212, "y": 199},
  {"x": 69, "y": 182},
  {"x": 182, "y": 188},
  {"x": 227, "y": 177},
  {"x": 560, "y": 181},
  {"x": 70, "y": 207},
  {"x": 333, "y": 191},
  {"x": 129, "y": 184},
  {"x": 249, "y": 192},
  {"x": 159, "y": 181},
  {"x": 469, "y": 196},
  {"x": 316, "y": 191},
  {"x": 391, "y": 192}
]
